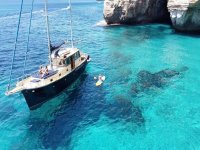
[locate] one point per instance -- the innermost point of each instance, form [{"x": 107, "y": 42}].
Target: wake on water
[
  {"x": 23, "y": 15},
  {"x": 34, "y": 12}
]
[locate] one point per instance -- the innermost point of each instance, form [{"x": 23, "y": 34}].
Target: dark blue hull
[{"x": 36, "y": 97}]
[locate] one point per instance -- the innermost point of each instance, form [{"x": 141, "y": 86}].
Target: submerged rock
[
  {"x": 147, "y": 80},
  {"x": 135, "y": 11},
  {"x": 185, "y": 14},
  {"x": 124, "y": 109},
  {"x": 167, "y": 73}
]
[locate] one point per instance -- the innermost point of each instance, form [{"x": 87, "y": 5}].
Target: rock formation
[
  {"x": 185, "y": 14},
  {"x": 135, "y": 11}
]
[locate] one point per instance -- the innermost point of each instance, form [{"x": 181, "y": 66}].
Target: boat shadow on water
[
  {"x": 84, "y": 105},
  {"x": 54, "y": 120}
]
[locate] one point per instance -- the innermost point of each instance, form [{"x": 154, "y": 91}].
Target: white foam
[
  {"x": 58, "y": 10},
  {"x": 103, "y": 23},
  {"x": 24, "y": 14},
  {"x": 34, "y": 12}
]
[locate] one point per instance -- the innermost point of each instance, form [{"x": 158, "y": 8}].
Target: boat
[{"x": 66, "y": 64}]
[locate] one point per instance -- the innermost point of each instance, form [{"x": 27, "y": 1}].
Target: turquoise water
[{"x": 136, "y": 108}]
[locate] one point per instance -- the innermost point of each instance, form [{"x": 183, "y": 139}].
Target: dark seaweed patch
[
  {"x": 124, "y": 109},
  {"x": 147, "y": 80}
]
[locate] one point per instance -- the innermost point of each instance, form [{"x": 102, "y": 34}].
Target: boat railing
[
  {"x": 18, "y": 80},
  {"x": 24, "y": 77},
  {"x": 29, "y": 74}
]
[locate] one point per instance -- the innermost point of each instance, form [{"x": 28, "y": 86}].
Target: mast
[
  {"x": 28, "y": 39},
  {"x": 71, "y": 32},
  {"x": 48, "y": 33}
]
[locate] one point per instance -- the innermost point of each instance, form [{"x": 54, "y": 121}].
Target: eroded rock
[
  {"x": 185, "y": 14},
  {"x": 135, "y": 11}
]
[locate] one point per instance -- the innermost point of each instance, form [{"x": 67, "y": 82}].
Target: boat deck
[{"x": 36, "y": 81}]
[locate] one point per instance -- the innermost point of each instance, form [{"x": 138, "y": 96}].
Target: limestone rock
[
  {"x": 135, "y": 11},
  {"x": 185, "y": 14}
]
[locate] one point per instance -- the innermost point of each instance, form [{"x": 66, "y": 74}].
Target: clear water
[{"x": 163, "y": 114}]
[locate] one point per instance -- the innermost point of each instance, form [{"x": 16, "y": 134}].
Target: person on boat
[
  {"x": 46, "y": 71},
  {"x": 41, "y": 70}
]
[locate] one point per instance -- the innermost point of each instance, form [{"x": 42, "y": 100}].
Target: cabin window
[
  {"x": 77, "y": 55},
  {"x": 67, "y": 62}
]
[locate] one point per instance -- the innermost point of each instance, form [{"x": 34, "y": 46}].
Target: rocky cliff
[
  {"x": 135, "y": 11},
  {"x": 184, "y": 14}
]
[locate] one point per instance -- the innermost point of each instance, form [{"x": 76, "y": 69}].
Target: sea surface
[{"x": 149, "y": 101}]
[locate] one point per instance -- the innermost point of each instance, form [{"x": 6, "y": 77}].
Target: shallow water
[{"x": 141, "y": 105}]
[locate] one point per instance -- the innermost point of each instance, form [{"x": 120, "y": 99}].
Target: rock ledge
[{"x": 184, "y": 14}]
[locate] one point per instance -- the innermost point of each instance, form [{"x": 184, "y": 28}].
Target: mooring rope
[
  {"x": 16, "y": 39},
  {"x": 29, "y": 31}
]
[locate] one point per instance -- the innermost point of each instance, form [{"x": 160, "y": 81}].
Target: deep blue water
[{"x": 141, "y": 105}]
